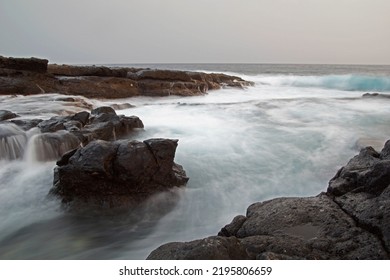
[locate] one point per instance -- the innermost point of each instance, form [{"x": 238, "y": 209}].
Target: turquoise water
[{"x": 285, "y": 136}]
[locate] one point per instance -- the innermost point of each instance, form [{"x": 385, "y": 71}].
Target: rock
[
  {"x": 102, "y": 123},
  {"x": 103, "y": 110},
  {"x": 105, "y": 82},
  {"x": 366, "y": 171},
  {"x": 350, "y": 221},
  {"x": 6, "y": 115},
  {"x": 113, "y": 174},
  {"x": 27, "y": 124},
  {"x": 121, "y": 106},
  {"x": 28, "y": 64},
  {"x": 212, "y": 248},
  {"x": 232, "y": 228},
  {"x": 375, "y": 94},
  {"x": 75, "y": 71}
]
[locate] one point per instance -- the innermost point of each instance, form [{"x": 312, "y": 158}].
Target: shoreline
[{"x": 33, "y": 76}]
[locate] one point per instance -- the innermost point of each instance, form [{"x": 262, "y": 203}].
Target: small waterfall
[
  {"x": 50, "y": 146},
  {"x": 13, "y": 141}
]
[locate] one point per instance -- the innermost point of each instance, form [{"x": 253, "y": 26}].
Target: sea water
[{"x": 285, "y": 136}]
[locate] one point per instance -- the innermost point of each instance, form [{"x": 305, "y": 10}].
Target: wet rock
[
  {"x": 6, "y": 115},
  {"x": 102, "y": 123},
  {"x": 211, "y": 248},
  {"x": 350, "y": 221},
  {"x": 367, "y": 171},
  {"x": 113, "y": 174},
  {"x": 105, "y": 82},
  {"x": 74, "y": 71},
  {"x": 27, "y": 124}
]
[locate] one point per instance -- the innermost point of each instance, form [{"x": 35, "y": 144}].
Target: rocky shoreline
[
  {"x": 34, "y": 76},
  {"x": 351, "y": 220},
  {"x": 100, "y": 165}
]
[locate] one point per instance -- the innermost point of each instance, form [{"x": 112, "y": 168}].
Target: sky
[{"x": 201, "y": 31}]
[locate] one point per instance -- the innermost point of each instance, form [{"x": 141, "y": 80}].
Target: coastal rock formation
[
  {"x": 60, "y": 134},
  {"x": 33, "y": 76},
  {"x": 113, "y": 174},
  {"x": 350, "y": 221}
]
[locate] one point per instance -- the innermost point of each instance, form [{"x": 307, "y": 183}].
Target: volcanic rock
[
  {"x": 350, "y": 221},
  {"x": 114, "y": 174},
  {"x": 19, "y": 77}
]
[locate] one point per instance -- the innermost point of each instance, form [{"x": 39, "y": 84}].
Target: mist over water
[{"x": 278, "y": 138}]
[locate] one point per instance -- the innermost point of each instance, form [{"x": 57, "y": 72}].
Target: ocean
[{"x": 285, "y": 136}]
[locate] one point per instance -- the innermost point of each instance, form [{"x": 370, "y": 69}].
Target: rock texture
[
  {"x": 60, "y": 134},
  {"x": 350, "y": 221},
  {"x": 114, "y": 174},
  {"x": 33, "y": 76}
]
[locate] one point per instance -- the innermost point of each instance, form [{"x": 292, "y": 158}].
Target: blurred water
[{"x": 237, "y": 146}]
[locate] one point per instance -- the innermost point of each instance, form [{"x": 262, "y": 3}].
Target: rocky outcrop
[
  {"x": 350, "y": 221},
  {"x": 27, "y": 64},
  {"x": 115, "y": 174},
  {"x": 60, "y": 134},
  {"x": 6, "y": 115},
  {"x": 33, "y": 76}
]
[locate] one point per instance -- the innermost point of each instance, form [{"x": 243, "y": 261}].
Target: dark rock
[
  {"x": 105, "y": 82},
  {"x": 6, "y": 115},
  {"x": 103, "y": 110},
  {"x": 27, "y": 124},
  {"x": 232, "y": 228},
  {"x": 350, "y": 221},
  {"x": 103, "y": 123},
  {"x": 27, "y": 64},
  {"x": 366, "y": 171},
  {"x": 113, "y": 174},
  {"x": 53, "y": 124},
  {"x": 212, "y": 248},
  {"x": 75, "y": 71}
]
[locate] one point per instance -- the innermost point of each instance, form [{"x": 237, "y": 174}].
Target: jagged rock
[
  {"x": 74, "y": 71},
  {"x": 368, "y": 171},
  {"x": 27, "y": 124},
  {"x": 212, "y": 248},
  {"x": 105, "y": 82},
  {"x": 6, "y": 115},
  {"x": 28, "y": 64},
  {"x": 113, "y": 174},
  {"x": 350, "y": 221},
  {"x": 102, "y": 123}
]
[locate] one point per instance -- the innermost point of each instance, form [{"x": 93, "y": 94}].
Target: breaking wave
[{"x": 339, "y": 82}]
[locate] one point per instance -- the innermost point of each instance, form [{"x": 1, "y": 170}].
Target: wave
[{"x": 339, "y": 82}]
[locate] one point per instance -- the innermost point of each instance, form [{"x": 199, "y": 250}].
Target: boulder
[
  {"x": 116, "y": 174},
  {"x": 350, "y": 221}
]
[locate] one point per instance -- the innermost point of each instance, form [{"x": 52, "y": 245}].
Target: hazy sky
[{"x": 201, "y": 31}]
